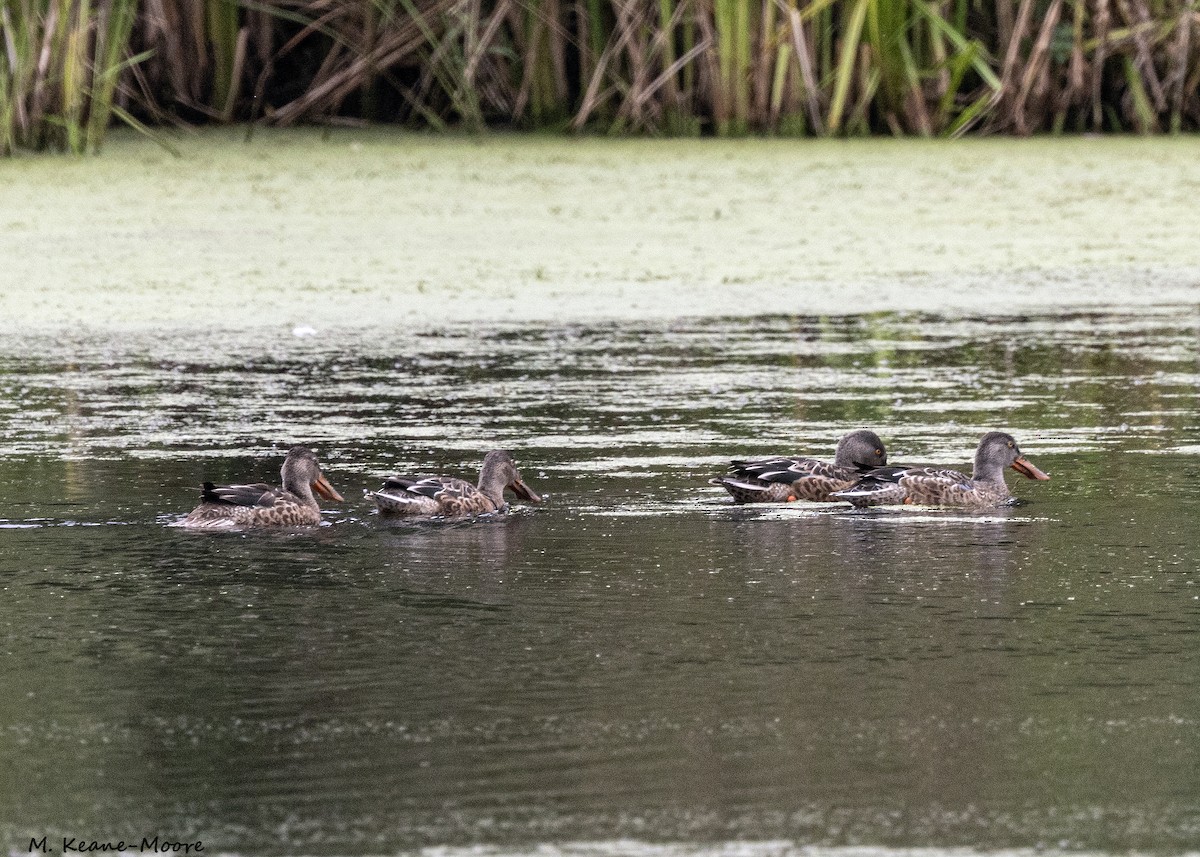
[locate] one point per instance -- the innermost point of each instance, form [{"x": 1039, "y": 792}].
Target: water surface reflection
[{"x": 637, "y": 661}]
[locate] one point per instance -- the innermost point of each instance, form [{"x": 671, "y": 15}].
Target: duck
[
  {"x": 930, "y": 486},
  {"x": 786, "y": 479},
  {"x": 449, "y": 497},
  {"x": 227, "y": 507}
]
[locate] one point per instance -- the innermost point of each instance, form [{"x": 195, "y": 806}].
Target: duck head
[
  {"x": 862, "y": 450},
  {"x": 500, "y": 472},
  {"x": 301, "y": 474},
  {"x": 997, "y": 451}
]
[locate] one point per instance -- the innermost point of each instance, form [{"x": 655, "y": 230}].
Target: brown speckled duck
[
  {"x": 231, "y": 507},
  {"x": 785, "y": 479},
  {"x": 930, "y": 486},
  {"x": 447, "y": 497}
]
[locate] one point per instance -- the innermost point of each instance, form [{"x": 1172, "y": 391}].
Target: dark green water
[{"x": 637, "y": 664}]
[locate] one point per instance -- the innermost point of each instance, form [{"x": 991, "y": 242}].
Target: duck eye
[
  {"x": 1010, "y": 446},
  {"x": 879, "y": 452}
]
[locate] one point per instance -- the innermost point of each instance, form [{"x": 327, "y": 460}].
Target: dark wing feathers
[
  {"x": 770, "y": 469},
  {"x": 400, "y": 483},
  {"x": 433, "y": 487},
  {"x": 881, "y": 477},
  {"x": 788, "y": 469},
  {"x": 240, "y": 495},
  {"x": 827, "y": 470}
]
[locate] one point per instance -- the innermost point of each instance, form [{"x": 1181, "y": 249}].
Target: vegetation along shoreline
[{"x": 676, "y": 67}]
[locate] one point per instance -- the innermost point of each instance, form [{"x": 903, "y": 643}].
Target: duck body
[
  {"x": 433, "y": 497},
  {"x": 924, "y": 486},
  {"x": 786, "y": 478},
  {"x": 985, "y": 488},
  {"x": 449, "y": 497},
  {"x": 238, "y": 507}
]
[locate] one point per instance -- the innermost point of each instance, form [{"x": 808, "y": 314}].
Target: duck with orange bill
[
  {"x": 931, "y": 486},
  {"x": 236, "y": 507}
]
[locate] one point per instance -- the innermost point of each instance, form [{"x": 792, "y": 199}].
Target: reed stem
[{"x": 70, "y": 68}]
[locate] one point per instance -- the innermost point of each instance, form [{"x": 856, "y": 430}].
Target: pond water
[{"x": 636, "y": 666}]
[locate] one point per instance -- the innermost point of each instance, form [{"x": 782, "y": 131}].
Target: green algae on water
[{"x": 367, "y": 228}]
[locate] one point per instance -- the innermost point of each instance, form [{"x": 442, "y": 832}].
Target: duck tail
[{"x": 753, "y": 492}]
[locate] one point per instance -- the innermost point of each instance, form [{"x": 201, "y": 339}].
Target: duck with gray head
[
  {"x": 931, "y": 486},
  {"x": 448, "y": 497},
  {"x": 785, "y": 479},
  {"x": 235, "y": 507}
]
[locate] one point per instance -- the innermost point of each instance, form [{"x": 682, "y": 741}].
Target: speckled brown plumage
[
  {"x": 784, "y": 479},
  {"x": 931, "y": 486},
  {"x": 233, "y": 507},
  {"x": 448, "y": 497}
]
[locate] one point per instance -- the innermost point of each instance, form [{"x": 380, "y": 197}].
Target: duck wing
[
  {"x": 880, "y": 486},
  {"x": 781, "y": 469},
  {"x": 433, "y": 487},
  {"x": 258, "y": 494}
]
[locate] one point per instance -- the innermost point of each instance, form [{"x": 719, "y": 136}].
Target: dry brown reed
[{"x": 727, "y": 67}]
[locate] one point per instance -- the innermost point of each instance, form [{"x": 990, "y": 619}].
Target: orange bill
[
  {"x": 524, "y": 491},
  {"x": 1026, "y": 468},
  {"x": 322, "y": 487}
]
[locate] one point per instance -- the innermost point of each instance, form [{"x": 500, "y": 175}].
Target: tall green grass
[
  {"x": 68, "y": 68},
  {"x": 61, "y": 71}
]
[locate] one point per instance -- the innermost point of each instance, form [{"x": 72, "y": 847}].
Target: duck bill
[
  {"x": 524, "y": 491},
  {"x": 1026, "y": 468},
  {"x": 322, "y": 487}
]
